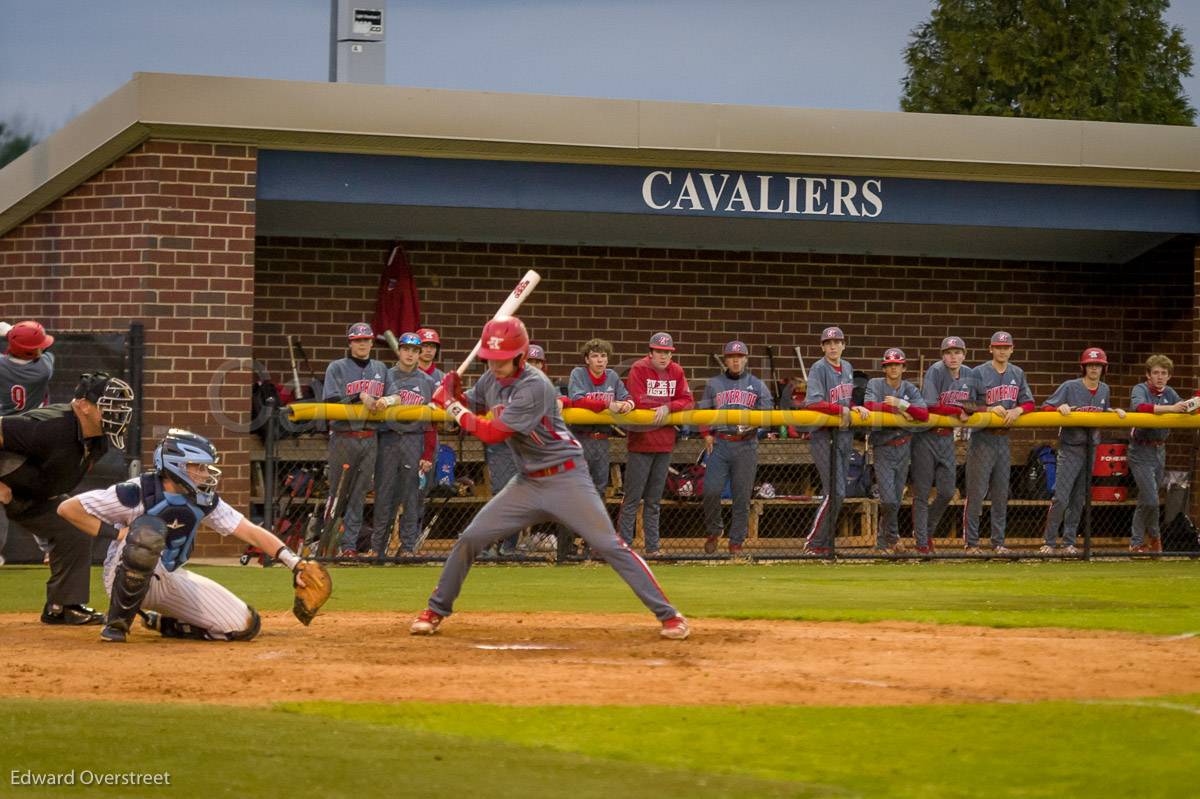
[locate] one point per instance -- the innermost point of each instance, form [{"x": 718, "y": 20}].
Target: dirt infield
[{"x": 553, "y": 658}]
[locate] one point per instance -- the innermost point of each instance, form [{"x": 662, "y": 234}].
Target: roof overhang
[{"x": 398, "y": 121}]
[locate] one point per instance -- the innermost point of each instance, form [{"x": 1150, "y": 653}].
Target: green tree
[
  {"x": 13, "y": 142},
  {"x": 1112, "y": 60}
]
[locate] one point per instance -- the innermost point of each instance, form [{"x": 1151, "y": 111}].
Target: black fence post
[
  {"x": 1089, "y": 467},
  {"x": 136, "y": 348},
  {"x": 836, "y": 483},
  {"x": 269, "y": 460}
]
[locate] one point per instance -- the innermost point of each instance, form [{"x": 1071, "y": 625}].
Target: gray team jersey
[
  {"x": 1077, "y": 395},
  {"x": 528, "y": 405},
  {"x": 942, "y": 388},
  {"x": 991, "y": 388},
  {"x": 345, "y": 380},
  {"x": 24, "y": 384},
  {"x": 1142, "y": 395},
  {"x": 725, "y": 393},
  {"x": 826, "y": 384},
  {"x": 580, "y": 386},
  {"x": 877, "y": 390},
  {"x": 435, "y": 374},
  {"x": 411, "y": 388}
]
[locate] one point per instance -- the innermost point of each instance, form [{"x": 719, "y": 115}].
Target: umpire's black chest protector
[{"x": 181, "y": 516}]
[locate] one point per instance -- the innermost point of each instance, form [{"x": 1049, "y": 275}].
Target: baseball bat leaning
[
  {"x": 390, "y": 338},
  {"x": 523, "y": 289},
  {"x": 800, "y": 358},
  {"x": 295, "y": 368},
  {"x": 333, "y": 514},
  {"x": 775, "y": 395}
]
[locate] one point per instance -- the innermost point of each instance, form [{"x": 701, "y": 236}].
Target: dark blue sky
[{"x": 57, "y": 59}]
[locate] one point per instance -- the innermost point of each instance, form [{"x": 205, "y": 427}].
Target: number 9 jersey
[{"x": 24, "y": 385}]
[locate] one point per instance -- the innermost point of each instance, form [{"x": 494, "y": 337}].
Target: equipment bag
[
  {"x": 1036, "y": 479},
  {"x": 858, "y": 476}
]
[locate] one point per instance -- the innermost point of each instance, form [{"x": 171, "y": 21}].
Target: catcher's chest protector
[{"x": 181, "y": 516}]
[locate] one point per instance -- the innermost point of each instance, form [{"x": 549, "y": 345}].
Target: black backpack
[
  {"x": 1036, "y": 479},
  {"x": 263, "y": 397},
  {"x": 858, "y": 476}
]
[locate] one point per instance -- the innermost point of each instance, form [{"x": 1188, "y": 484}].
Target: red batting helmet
[
  {"x": 1093, "y": 355},
  {"x": 502, "y": 338},
  {"x": 26, "y": 340},
  {"x": 894, "y": 355},
  {"x": 429, "y": 336}
]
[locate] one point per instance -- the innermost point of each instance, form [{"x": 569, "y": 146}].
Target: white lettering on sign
[{"x": 784, "y": 195}]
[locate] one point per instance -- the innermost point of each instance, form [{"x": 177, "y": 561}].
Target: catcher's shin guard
[
  {"x": 170, "y": 627},
  {"x": 143, "y": 546}
]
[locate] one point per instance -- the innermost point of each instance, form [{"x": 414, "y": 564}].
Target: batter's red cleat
[
  {"x": 710, "y": 544},
  {"x": 735, "y": 549},
  {"x": 1154, "y": 543},
  {"x": 820, "y": 552},
  {"x": 425, "y": 624},
  {"x": 676, "y": 629}
]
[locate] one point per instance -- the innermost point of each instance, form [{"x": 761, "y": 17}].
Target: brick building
[{"x": 226, "y": 214}]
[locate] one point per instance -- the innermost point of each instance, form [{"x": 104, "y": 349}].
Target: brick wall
[
  {"x": 164, "y": 235},
  {"x": 317, "y": 287}
]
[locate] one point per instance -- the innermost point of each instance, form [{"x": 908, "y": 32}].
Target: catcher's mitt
[{"x": 318, "y": 585}]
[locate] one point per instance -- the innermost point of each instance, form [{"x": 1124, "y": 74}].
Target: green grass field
[{"x": 1129, "y": 748}]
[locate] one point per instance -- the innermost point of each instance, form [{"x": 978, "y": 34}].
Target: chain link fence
[
  {"x": 120, "y": 353},
  {"x": 786, "y": 500}
]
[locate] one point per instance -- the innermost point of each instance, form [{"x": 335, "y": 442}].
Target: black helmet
[{"x": 113, "y": 397}]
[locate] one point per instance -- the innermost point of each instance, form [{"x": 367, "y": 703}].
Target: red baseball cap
[{"x": 662, "y": 341}]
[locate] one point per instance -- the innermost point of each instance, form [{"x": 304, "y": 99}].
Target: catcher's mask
[
  {"x": 178, "y": 450},
  {"x": 114, "y": 398}
]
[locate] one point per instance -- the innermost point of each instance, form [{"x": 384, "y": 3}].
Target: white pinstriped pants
[{"x": 186, "y": 596}]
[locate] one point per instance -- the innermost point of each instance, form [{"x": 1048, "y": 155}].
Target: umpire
[{"x": 44, "y": 453}]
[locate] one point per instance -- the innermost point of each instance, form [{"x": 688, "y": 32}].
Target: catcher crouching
[{"x": 151, "y": 522}]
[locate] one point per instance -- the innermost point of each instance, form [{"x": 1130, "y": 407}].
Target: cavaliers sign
[{"x": 779, "y": 195}]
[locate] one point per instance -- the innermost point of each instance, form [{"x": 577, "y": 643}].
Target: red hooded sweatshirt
[{"x": 651, "y": 388}]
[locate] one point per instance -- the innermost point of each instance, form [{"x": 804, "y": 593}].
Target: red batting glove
[
  {"x": 439, "y": 397},
  {"x": 452, "y": 384}
]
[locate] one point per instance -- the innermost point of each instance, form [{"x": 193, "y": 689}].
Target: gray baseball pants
[
  {"x": 501, "y": 469},
  {"x": 568, "y": 498},
  {"x": 737, "y": 460},
  {"x": 1071, "y": 479},
  {"x": 398, "y": 482},
  {"x": 359, "y": 453},
  {"x": 645, "y": 479},
  {"x": 833, "y": 487},
  {"x": 891, "y": 473},
  {"x": 596, "y": 453},
  {"x": 989, "y": 463},
  {"x": 1148, "y": 464},
  {"x": 933, "y": 464}
]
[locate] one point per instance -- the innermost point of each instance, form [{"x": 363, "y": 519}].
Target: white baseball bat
[
  {"x": 800, "y": 358},
  {"x": 523, "y": 289},
  {"x": 295, "y": 370}
]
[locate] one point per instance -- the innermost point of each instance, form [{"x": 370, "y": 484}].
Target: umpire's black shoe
[{"x": 70, "y": 614}]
